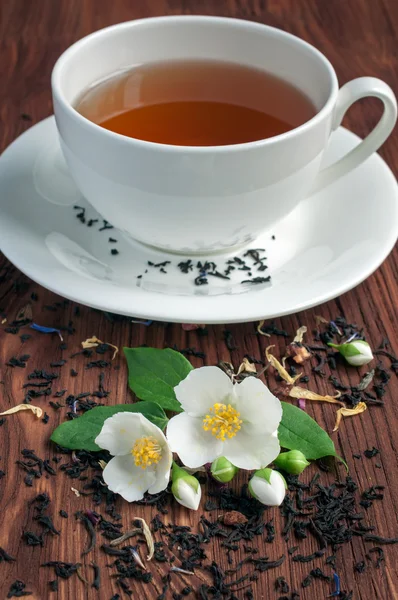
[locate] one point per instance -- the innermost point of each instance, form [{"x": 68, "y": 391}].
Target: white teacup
[{"x": 204, "y": 199}]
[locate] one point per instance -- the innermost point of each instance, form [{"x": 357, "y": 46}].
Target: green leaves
[
  {"x": 80, "y": 434},
  {"x": 154, "y": 373},
  {"x": 297, "y": 431}
]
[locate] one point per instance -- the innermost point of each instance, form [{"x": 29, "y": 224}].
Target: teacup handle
[{"x": 354, "y": 90}]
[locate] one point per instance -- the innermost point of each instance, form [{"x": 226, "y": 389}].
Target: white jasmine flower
[
  {"x": 239, "y": 422},
  {"x": 268, "y": 487},
  {"x": 142, "y": 457}
]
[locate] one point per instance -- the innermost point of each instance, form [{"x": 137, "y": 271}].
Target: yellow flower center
[
  {"x": 146, "y": 452},
  {"x": 223, "y": 422}
]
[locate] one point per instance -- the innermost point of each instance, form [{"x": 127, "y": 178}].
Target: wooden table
[{"x": 359, "y": 37}]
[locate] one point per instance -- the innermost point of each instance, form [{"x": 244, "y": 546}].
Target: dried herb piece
[
  {"x": 62, "y": 569},
  {"x": 233, "y": 518},
  {"x": 97, "y": 576},
  {"x": 4, "y": 556},
  {"x": 17, "y": 590},
  {"x": 90, "y": 530},
  {"x": 372, "y": 452}
]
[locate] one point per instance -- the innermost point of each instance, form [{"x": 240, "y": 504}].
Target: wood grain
[{"x": 359, "y": 37}]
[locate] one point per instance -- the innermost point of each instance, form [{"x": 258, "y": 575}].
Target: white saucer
[{"x": 326, "y": 246}]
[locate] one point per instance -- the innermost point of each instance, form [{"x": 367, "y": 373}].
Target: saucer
[{"x": 329, "y": 244}]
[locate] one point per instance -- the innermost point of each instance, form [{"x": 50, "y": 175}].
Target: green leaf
[
  {"x": 80, "y": 433},
  {"x": 154, "y": 373},
  {"x": 297, "y": 431}
]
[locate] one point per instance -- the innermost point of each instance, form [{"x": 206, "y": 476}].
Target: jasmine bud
[
  {"x": 357, "y": 353},
  {"x": 185, "y": 488},
  {"x": 293, "y": 462},
  {"x": 223, "y": 470},
  {"x": 268, "y": 487}
]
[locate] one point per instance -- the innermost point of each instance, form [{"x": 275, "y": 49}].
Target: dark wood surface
[{"x": 359, "y": 37}]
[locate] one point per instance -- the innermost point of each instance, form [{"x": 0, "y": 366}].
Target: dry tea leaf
[
  {"x": 299, "y": 392},
  {"x": 93, "y": 342},
  {"x": 36, "y": 410},
  {"x": 349, "y": 412},
  {"x": 126, "y": 536},
  {"x": 274, "y": 362}
]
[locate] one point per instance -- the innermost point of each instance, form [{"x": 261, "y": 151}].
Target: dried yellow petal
[
  {"x": 274, "y": 362},
  {"x": 148, "y": 538},
  {"x": 259, "y": 329},
  {"x": 300, "y": 334},
  {"x": 319, "y": 319},
  {"x": 246, "y": 367},
  {"x": 36, "y": 410},
  {"x": 349, "y": 412},
  {"x": 93, "y": 342},
  {"x": 102, "y": 464},
  {"x": 299, "y": 392}
]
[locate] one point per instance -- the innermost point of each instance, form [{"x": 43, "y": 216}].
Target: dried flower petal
[
  {"x": 44, "y": 329},
  {"x": 148, "y": 537},
  {"x": 75, "y": 491},
  {"x": 319, "y": 320},
  {"x": 260, "y": 331},
  {"x": 300, "y": 334},
  {"x": 281, "y": 370},
  {"x": 299, "y": 392},
  {"x": 102, "y": 464},
  {"x": 349, "y": 412},
  {"x": 246, "y": 367},
  {"x": 36, "y": 410},
  {"x": 93, "y": 342}
]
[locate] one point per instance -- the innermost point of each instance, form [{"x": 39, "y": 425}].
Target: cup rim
[{"x": 91, "y": 126}]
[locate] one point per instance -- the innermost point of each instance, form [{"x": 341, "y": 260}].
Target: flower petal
[
  {"x": 120, "y": 431},
  {"x": 257, "y": 406},
  {"x": 162, "y": 471},
  {"x": 202, "y": 388},
  {"x": 191, "y": 442},
  {"x": 247, "y": 451},
  {"x": 123, "y": 477}
]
